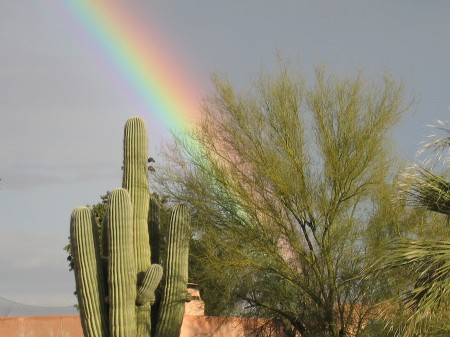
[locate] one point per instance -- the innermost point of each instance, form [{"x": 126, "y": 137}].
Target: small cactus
[{"x": 116, "y": 286}]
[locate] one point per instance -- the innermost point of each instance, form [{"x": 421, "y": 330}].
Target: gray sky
[{"x": 62, "y": 112}]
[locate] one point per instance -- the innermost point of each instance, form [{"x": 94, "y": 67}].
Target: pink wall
[
  {"x": 41, "y": 326},
  {"x": 70, "y": 326}
]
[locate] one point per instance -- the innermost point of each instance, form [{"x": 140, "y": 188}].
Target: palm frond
[
  {"x": 429, "y": 265},
  {"x": 425, "y": 305},
  {"x": 439, "y": 144},
  {"x": 420, "y": 187}
]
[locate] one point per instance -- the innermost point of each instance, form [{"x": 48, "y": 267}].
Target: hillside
[{"x": 10, "y": 308}]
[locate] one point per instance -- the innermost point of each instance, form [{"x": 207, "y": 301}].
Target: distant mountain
[{"x": 10, "y": 308}]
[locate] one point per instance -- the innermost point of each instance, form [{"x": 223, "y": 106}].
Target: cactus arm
[
  {"x": 135, "y": 180},
  {"x": 176, "y": 268},
  {"x": 146, "y": 292},
  {"x": 89, "y": 276},
  {"x": 121, "y": 266}
]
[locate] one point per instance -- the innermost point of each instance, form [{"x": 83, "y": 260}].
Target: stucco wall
[
  {"x": 70, "y": 326},
  {"x": 41, "y": 326}
]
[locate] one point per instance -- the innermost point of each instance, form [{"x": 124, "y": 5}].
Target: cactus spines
[
  {"x": 89, "y": 278},
  {"x": 116, "y": 287}
]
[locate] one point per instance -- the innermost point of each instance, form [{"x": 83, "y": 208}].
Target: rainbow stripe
[
  {"x": 145, "y": 66},
  {"x": 147, "y": 69}
]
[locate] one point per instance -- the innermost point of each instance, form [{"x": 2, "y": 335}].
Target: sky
[{"x": 64, "y": 97}]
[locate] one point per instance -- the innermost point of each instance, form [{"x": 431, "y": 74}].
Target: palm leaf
[
  {"x": 439, "y": 143},
  {"x": 420, "y": 187},
  {"x": 426, "y": 302},
  {"x": 428, "y": 263}
]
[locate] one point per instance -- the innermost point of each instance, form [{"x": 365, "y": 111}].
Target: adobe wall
[
  {"x": 41, "y": 326},
  {"x": 70, "y": 326}
]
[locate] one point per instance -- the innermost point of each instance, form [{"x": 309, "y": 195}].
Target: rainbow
[{"x": 147, "y": 69}]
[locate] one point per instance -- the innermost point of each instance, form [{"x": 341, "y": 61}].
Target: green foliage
[
  {"x": 115, "y": 280},
  {"x": 291, "y": 188},
  {"x": 423, "y": 306}
]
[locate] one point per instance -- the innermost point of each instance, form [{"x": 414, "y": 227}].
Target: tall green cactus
[{"x": 116, "y": 284}]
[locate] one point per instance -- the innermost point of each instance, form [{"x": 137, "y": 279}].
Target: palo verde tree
[{"x": 291, "y": 187}]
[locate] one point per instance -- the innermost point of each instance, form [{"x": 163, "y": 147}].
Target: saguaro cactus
[{"x": 116, "y": 284}]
